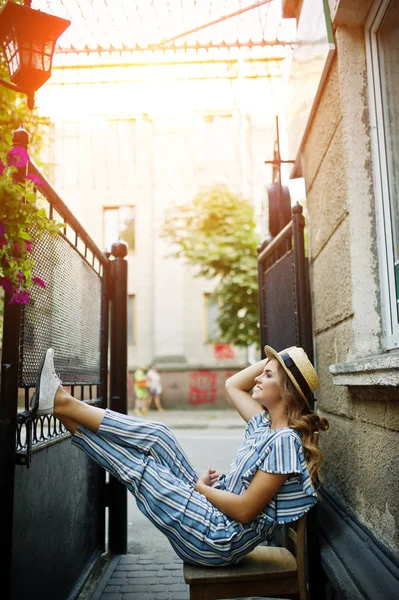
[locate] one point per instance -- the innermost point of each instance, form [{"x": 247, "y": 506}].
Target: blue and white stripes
[
  {"x": 273, "y": 451},
  {"x": 146, "y": 457}
]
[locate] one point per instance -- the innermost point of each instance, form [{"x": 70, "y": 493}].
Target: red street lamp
[{"x": 28, "y": 39}]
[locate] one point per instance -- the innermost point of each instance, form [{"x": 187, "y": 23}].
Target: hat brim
[{"x": 271, "y": 353}]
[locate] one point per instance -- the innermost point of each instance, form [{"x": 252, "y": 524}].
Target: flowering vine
[{"x": 19, "y": 216}]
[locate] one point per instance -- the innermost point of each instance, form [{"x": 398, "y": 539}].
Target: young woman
[
  {"x": 140, "y": 391},
  {"x": 210, "y": 519},
  {"x": 154, "y": 387}
]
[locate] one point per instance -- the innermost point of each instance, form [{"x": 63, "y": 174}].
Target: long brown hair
[{"x": 306, "y": 422}]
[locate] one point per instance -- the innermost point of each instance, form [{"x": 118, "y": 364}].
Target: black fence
[
  {"x": 284, "y": 290},
  {"x": 286, "y": 320},
  {"x": 53, "y": 500}
]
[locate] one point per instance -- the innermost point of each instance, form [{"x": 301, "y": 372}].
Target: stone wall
[{"x": 362, "y": 446}]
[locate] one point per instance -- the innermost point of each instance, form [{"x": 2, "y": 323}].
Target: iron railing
[
  {"x": 286, "y": 320},
  {"x": 284, "y": 294},
  {"x": 70, "y": 315},
  {"x": 84, "y": 289}
]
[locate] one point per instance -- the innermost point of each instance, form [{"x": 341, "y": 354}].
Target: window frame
[
  {"x": 132, "y": 299},
  {"x": 389, "y": 306},
  {"x": 117, "y": 208}
]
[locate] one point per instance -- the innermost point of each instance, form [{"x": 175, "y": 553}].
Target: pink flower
[
  {"x": 17, "y": 247},
  {"x": 3, "y": 229},
  {"x": 18, "y": 156},
  {"x": 2, "y": 168},
  {"x": 28, "y": 246},
  {"x": 35, "y": 179},
  {"x": 19, "y": 297},
  {"x": 39, "y": 282},
  {"x": 20, "y": 276},
  {"x": 6, "y": 284},
  {"x": 3, "y": 242}
]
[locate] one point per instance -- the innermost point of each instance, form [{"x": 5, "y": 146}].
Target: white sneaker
[{"x": 47, "y": 384}]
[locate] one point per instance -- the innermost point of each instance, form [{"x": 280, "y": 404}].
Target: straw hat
[{"x": 298, "y": 367}]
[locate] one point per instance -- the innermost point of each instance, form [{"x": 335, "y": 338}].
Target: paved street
[{"x": 151, "y": 570}]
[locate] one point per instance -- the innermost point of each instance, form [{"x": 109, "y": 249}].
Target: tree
[{"x": 216, "y": 234}]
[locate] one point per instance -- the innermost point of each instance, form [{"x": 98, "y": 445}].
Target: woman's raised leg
[
  {"x": 69, "y": 410},
  {"x": 149, "y": 438},
  {"x": 70, "y": 425},
  {"x": 50, "y": 397},
  {"x": 152, "y": 439}
]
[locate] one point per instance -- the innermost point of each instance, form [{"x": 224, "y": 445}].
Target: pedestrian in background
[
  {"x": 140, "y": 390},
  {"x": 154, "y": 388}
]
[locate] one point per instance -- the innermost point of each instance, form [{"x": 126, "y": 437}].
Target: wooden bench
[{"x": 267, "y": 571}]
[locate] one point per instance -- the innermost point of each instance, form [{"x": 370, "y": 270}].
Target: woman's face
[{"x": 267, "y": 389}]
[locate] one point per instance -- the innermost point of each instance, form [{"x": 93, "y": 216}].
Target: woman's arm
[
  {"x": 243, "y": 507},
  {"x": 238, "y": 387}
]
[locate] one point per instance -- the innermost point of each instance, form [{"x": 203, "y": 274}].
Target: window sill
[{"x": 382, "y": 369}]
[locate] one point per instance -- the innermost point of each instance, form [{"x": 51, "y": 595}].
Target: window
[
  {"x": 382, "y": 38},
  {"x": 221, "y": 138},
  {"x": 212, "y": 331},
  {"x": 119, "y": 222},
  {"x": 131, "y": 320}
]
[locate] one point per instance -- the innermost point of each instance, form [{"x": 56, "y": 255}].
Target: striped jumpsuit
[{"x": 146, "y": 457}]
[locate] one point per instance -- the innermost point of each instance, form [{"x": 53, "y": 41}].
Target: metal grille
[
  {"x": 115, "y": 25},
  {"x": 66, "y": 315},
  {"x": 43, "y": 430},
  {"x": 280, "y": 306}
]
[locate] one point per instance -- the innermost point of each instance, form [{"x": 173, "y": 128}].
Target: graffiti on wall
[
  {"x": 202, "y": 387},
  {"x": 223, "y": 351}
]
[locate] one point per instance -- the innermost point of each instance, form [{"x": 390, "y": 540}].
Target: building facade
[
  {"x": 349, "y": 159},
  {"x": 130, "y": 138}
]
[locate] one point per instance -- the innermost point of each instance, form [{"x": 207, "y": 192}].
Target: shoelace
[{"x": 55, "y": 374}]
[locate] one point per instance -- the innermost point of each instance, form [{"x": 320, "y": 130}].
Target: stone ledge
[{"x": 382, "y": 369}]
